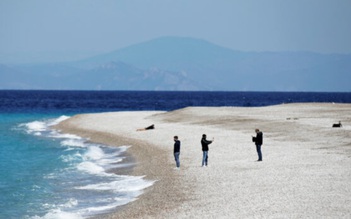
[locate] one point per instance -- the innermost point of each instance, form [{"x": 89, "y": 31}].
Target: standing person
[
  {"x": 176, "y": 151},
  {"x": 205, "y": 149},
  {"x": 258, "y": 142}
]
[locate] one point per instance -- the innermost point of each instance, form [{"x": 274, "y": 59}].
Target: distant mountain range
[{"x": 176, "y": 63}]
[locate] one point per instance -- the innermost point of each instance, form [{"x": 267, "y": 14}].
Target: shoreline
[
  {"x": 140, "y": 152},
  {"x": 304, "y": 159}
]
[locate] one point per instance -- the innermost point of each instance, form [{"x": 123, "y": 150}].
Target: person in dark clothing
[
  {"x": 147, "y": 128},
  {"x": 176, "y": 151},
  {"x": 258, "y": 142},
  {"x": 205, "y": 149}
]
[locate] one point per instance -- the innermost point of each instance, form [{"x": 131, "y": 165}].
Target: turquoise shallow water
[{"x": 46, "y": 174}]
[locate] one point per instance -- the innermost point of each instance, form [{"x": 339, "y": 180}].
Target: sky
[{"x": 64, "y": 30}]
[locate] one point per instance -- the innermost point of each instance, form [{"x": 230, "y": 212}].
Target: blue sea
[{"x": 48, "y": 174}]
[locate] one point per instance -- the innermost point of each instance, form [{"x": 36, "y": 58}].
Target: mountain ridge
[{"x": 195, "y": 64}]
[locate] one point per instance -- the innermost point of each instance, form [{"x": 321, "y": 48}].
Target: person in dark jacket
[
  {"x": 205, "y": 143},
  {"x": 258, "y": 142},
  {"x": 176, "y": 151},
  {"x": 147, "y": 128}
]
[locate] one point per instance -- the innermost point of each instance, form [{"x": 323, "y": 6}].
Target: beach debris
[
  {"x": 337, "y": 125},
  {"x": 292, "y": 118},
  {"x": 147, "y": 128}
]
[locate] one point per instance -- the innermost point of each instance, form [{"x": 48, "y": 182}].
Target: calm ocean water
[{"x": 47, "y": 174}]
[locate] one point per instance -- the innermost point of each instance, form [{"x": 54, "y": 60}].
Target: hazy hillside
[
  {"x": 107, "y": 76},
  {"x": 218, "y": 68},
  {"x": 176, "y": 63}
]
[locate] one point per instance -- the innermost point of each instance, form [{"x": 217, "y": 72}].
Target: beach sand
[{"x": 305, "y": 173}]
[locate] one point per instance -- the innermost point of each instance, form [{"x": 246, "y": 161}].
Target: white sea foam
[
  {"x": 109, "y": 163},
  {"x": 71, "y": 157},
  {"x": 56, "y": 134},
  {"x": 70, "y": 203},
  {"x": 39, "y": 127},
  {"x": 94, "y": 153},
  {"x": 123, "y": 184},
  {"x": 35, "y": 127},
  {"x": 58, "y": 120},
  {"x": 91, "y": 168},
  {"x": 89, "y": 162},
  {"x": 104, "y": 208},
  {"x": 74, "y": 142},
  {"x": 116, "y": 202},
  {"x": 43, "y": 128},
  {"x": 59, "y": 214}
]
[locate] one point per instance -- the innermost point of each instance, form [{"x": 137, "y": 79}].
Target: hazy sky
[{"x": 52, "y": 30}]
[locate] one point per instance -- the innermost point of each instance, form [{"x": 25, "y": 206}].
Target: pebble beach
[{"x": 305, "y": 172}]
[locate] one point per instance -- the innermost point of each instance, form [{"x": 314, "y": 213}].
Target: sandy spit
[{"x": 305, "y": 173}]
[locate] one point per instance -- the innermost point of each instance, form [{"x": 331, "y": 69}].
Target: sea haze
[{"x": 187, "y": 64}]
